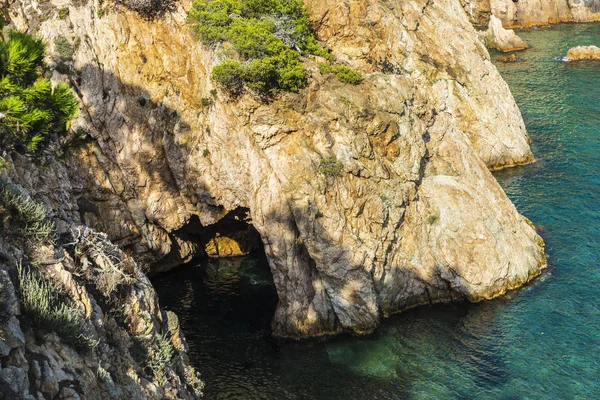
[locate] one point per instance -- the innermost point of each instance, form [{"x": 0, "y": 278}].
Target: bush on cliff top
[
  {"x": 268, "y": 38},
  {"x": 33, "y": 112}
]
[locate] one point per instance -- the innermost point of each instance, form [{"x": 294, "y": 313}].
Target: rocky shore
[
  {"x": 413, "y": 215},
  {"x": 367, "y": 199}
]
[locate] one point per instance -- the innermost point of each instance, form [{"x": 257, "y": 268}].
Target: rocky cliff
[
  {"x": 79, "y": 320},
  {"x": 524, "y": 13},
  {"x": 368, "y": 200}
]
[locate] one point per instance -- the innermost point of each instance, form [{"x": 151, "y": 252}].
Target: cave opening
[
  {"x": 225, "y": 301},
  {"x": 232, "y": 236}
]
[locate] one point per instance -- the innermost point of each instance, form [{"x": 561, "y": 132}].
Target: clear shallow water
[{"x": 541, "y": 342}]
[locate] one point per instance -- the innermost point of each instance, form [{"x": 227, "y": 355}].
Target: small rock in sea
[
  {"x": 504, "y": 40},
  {"x": 581, "y": 53},
  {"x": 507, "y": 59}
]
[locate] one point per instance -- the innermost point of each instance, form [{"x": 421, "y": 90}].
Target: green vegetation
[
  {"x": 193, "y": 380},
  {"x": 267, "y": 39},
  {"x": 22, "y": 216},
  {"x": 100, "y": 11},
  {"x": 330, "y": 166},
  {"x": 432, "y": 218},
  {"x": 347, "y": 75},
  {"x": 63, "y": 13},
  {"x": 109, "y": 270},
  {"x": 325, "y": 68},
  {"x": 149, "y": 9},
  {"x": 207, "y": 102},
  {"x": 76, "y": 139},
  {"x": 76, "y": 44},
  {"x": 33, "y": 112},
  {"x": 159, "y": 357},
  {"x": 230, "y": 76},
  {"x": 344, "y": 74},
  {"x": 64, "y": 48},
  {"x": 345, "y": 100},
  {"x": 4, "y": 165},
  {"x": 41, "y": 302}
]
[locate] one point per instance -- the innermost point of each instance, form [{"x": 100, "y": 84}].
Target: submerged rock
[
  {"x": 508, "y": 59},
  {"x": 505, "y": 40},
  {"x": 581, "y": 53}
]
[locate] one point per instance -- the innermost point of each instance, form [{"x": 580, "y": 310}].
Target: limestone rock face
[
  {"x": 583, "y": 53},
  {"x": 505, "y": 40},
  {"x": 414, "y": 215},
  {"x": 428, "y": 42},
  {"x": 525, "y": 13}
]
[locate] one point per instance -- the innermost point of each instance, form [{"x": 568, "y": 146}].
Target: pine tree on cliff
[{"x": 33, "y": 111}]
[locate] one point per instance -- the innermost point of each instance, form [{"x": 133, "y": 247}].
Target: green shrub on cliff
[
  {"x": 23, "y": 217},
  {"x": 344, "y": 74},
  {"x": 230, "y": 75},
  {"x": 33, "y": 112},
  {"x": 265, "y": 40},
  {"x": 330, "y": 166},
  {"x": 160, "y": 354},
  {"x": 149, "y": 8},
  {"x": 43, "y": 305},
  {"x": 347, "y": 75},
  {"x": 64, "y": 48}
]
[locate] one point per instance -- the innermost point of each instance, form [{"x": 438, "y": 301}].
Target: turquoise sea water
[{"x": 541, "y": 342}]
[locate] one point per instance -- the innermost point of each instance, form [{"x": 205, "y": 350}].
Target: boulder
[{"x": 505, "y": 40}]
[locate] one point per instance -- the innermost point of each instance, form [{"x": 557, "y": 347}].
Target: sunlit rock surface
[
  {"x": 505, "y": 40},
  {"x": 523, "y": 13},
  {"x": 414, "y": 215}
]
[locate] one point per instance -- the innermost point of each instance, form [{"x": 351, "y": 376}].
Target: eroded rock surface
[
  {"x": 413, "y": 217},
  {"x": 510, "y": 58}
]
